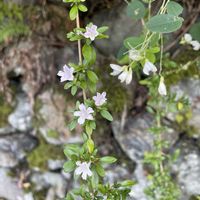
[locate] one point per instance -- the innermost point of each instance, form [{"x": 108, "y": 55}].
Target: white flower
[
  {"x": 66, "y": 74},
  {"x": 100, "y": 99},
  {"x": 195, "y": 44},
  {"x": 188, "y": 38},
  {"x": 125, "y": 73},
  {"x": 135, "y": 55},
  {"x": 84, "y": 114},
  {"x": 91, "y": 32},
  {"x": 116, "y": 69},
  {"x": 84, "y": 169},
  {"x": 149, "y": 67},
  {"x": 162, "y": 88}
]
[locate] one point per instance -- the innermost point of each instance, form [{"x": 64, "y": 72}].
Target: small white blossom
[
  {"x": 162, "y": 87},
  {"x": 188, "y": 38},
  {"x": 91, "y": 32},
  {"x": 100, "y": 99},
  {"x": 135, "y": 55},
  {"x": 66, "y": 74},
  {"x": 195, "y": 44},
  {"x": 125, "y": 73},
  {"x": 116, "y": 69},
  {"x": 149, "y": 67},
  {"x": 83, "y": 169},
  {"x": 84, "y": 114}
]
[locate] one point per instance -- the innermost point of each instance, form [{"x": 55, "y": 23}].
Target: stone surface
[
  {"x": 9, "y": 188},
  {"x": 137, "y": 191},
  {"x": 21, "y": 118},
  {"x": 187, "y": 168},
  {"x": 14, "y": 148},
  {"x": 53, "y": 112},
  {"x": 50, "y": 180},
  {"x": 117, "y": 173},
  {"x": 191, "y": 89},
  {"x": 135, "y": 139},
  {"x": 117, "y": 20}
]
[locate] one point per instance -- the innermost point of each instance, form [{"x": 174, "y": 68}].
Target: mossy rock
[
  {"x": 39, "y": 157},
  {"x": 117, "y": 94},
  {"x": 5, "y": 110},
  {"x": 190, "y": 71}
]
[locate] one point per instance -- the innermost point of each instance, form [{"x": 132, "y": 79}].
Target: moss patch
[
  {"x": 191, "y": 71},
  {"x": 117, "y": 94},
  {"x": 40, "y": 156},
  {"x": 5, "y": 110},
  {"x": 53, "y": 134}
]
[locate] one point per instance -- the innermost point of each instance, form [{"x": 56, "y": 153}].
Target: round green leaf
[
  {"x": 174, "y": 8},
  {"x": 164, "y": 23},
  {"x": 195, "y": 31},
  {"x": 136, "y": 9},
  {"x": 132, "y": 42}
]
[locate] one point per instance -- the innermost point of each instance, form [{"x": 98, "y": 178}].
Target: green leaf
[
  {"x": 127, "y": 183},
  {"x": 82, "y": 8},
  {"x": 136, "y": 9},
  {"x": 88, "y": 129},
  {"x": 73, "y": 12},
  {"x": 71, "y": 149},
  {"x": 92, "y": 76},
  {"x": 108, "y": 159},
  {"x": 69, "y": 166},
  {"x": 102, "y": 29},
  {"x": 74, "y": 90},
  {"x": 195, "y": 31},
  {"x": 105, "y": 114},
  {"x": 72, "y": 125},
  {"x": 100, "y": 170},
  {"x": 89, "y": 54},
  {"x": 69, "y": 197},
  {"x": 90, "y": 145},
  {"x": 174, "y": 8},
  {"x": 68, "y": 85},
  {"x": 133, "y": 42},
  {"x": 164, "y": 23}
]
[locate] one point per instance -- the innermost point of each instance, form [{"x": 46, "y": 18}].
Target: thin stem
[
  {"x": 79, "y": 50},
  {"x": 79, "y": 41},
  {"x": 161, "y": 53}
]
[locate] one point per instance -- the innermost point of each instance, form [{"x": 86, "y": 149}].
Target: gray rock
[
  {"x": 190, "y": 88},
  {"x": 117, "y": 173},
  {"x": 135, "y": 139},
  {"x": 187, "y": 169},
  {"x": 120, "y": 27},
  {"x": 9, "y": 188},
  {"x": 54, "y": 129},
  {"x": 66, "y": 54},
  {"x": 21, "y": 118},
  {"x": 7, "y": 130},
  {"x": 14, "y": 148},
  {"x": 137, "y": 191},
  {"x": 50, "y": 180},
  {"x": 55, "y": 164}
]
